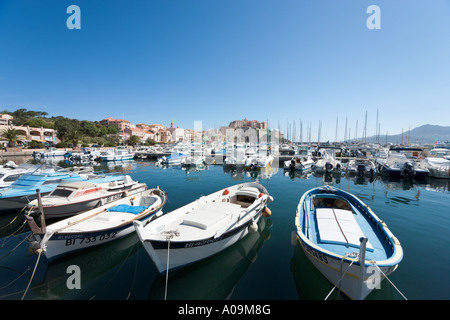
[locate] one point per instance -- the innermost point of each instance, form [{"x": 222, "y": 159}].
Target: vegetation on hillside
[{"x": 70, "y": 131}]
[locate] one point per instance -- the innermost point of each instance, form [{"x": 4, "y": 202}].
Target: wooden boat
[
  {"x": 204, "y": 227},
  {"x": 96, "y": 226},
  {"x": 71, "y": 198},
  {"x": 345, "y": 240}
]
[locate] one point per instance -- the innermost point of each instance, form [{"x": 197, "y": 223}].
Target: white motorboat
[
  {"x": 53, "y": 152},
  {"x": 204, "y": 227},
  {"x": 298, "y": 162},
  {"x": 258, "y": 161},
  {"x": 398, "y": 165},
  {"x": 363, "y": 167},
  {"x": 345, "y": 240},
  {"x": 172, "y": 159},
  {"x": 72, "y": 198},
  {"x": 438, "y": 167},
  {"x": 10, "y": 172},
  {"x": 119, "y": 154},
  {"x": 328, "y": 163},
  {"x": 96, "y": 226}
]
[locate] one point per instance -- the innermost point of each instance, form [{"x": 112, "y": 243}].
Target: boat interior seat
[
  {"x": 203, "y": 218},
  {"x": 338, "y": 226}
]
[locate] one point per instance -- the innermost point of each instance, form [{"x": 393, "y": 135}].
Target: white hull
[
  {"x": 193, "y": 252},
  {"x": 204, "y": 227},
  {"x": 351, "y": 284},
  {"x": 97, "y": 226}
]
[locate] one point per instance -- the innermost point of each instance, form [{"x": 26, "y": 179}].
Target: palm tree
[
  {"x": 11, "y": 135},
  {"x": 74, "y": 136}
]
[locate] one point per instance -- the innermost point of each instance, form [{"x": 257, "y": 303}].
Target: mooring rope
[
  {"x": 342, "y": 277},
  {"x": 32, "y": 275},
  {"x": 391, "y": 282}
]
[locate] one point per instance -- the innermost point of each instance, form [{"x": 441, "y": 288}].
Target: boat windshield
[{"x": 64, "y": 193}]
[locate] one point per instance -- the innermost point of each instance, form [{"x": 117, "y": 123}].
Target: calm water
[{"x": 262, "y": 266}]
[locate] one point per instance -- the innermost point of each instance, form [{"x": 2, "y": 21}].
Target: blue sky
[{"x": 284, "y": 61}]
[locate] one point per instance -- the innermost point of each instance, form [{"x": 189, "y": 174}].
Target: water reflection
[{"x": 215, "y": 277}]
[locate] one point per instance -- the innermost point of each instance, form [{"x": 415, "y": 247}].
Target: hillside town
[{"x": 125, "y": 130}]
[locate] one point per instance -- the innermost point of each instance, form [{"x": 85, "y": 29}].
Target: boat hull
[
  {"x": 353, "y": 284},
  {"x": 64, "y": 244},
  {"x": 330, "y": 237},
  {"x": 67, "y": 210},
  {"x": 182, "y": 253}
]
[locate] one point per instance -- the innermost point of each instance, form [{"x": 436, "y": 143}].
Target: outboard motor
[
  {"x": 361, "y": 169},
  {"x": 408, "y": 169},
  {"x": 292, "y": 164},
  {"x": 328, "y": 167}
]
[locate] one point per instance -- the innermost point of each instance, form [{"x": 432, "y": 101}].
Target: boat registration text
[{"x": 90, "y": 240}]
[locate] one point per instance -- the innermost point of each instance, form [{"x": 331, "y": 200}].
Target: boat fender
[
  {"x": 260, "y": 195},
  {"x": 293, "y": 238},
  {"x": 266, "y": 212},
  {"x": 226, "y": 192},
  {"x": 253, "y": 227}
]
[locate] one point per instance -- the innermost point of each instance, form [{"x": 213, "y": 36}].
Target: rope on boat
[
  {"x": 169, "y": 235},
  {"x": 342, "y": 277},
  {"x": 32, "y": 275},
  {"x": 391, "y": 282}
]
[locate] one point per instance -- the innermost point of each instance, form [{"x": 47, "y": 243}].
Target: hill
[{"x": 426, "y": 134}]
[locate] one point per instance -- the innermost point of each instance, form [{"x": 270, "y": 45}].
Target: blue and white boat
[
  {"x": 96, "y": 226},
  {"x": 346, "y": 241},
  {"x": 175, "y": 158},
  {"x": 23, "y": 190}
]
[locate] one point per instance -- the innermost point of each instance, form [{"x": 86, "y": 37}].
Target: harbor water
[{"x": 262, "y": 266}]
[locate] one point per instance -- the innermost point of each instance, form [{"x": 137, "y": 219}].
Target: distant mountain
[{"x": 426, "y": 134}]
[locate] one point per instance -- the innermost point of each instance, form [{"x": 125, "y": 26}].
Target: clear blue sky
[{"x": 222, "y": 60}]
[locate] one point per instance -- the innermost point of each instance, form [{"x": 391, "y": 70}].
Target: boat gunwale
[
  {"x": 141, "y": 216},
  {"x": 397, "y": 251}
]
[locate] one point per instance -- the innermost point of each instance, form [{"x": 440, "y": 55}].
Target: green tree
[
  {"x": 11, "y": 135},
  {"x": 134, "y": 140},
  {"x": 74, "y": 136}
]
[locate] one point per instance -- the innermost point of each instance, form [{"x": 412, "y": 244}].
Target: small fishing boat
[
  {"x": 298, "y": 162},
  {"x": 345, "y": 240},
  {"x": 71, "y": 198},
  {"x": 96, "y": 226},
  {"x": 204, "y": 227}
]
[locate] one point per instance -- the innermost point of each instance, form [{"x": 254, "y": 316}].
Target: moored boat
[
  {"x": 96, "y": 226},
  {"x": 23, "y": 190},
  {"x": 75, "y": 197},
  {"x": 298, "y": 162},
  {"x": 345, "y": 240},
  {"x": 204, "y": 227}
]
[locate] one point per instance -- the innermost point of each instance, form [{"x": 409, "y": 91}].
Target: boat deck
[
  {"x": 112, "y": 217},
  {"x": 204, "y": 221},
  {"x": 338, "y": 230}
]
